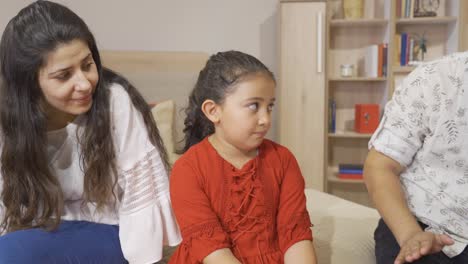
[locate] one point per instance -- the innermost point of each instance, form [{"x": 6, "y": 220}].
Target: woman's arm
[
  {"x": 223, "y": 255},
  {"x": 301, "y": 252}
]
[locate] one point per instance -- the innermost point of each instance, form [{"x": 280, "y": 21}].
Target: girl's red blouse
[{"x": 258, "y": 211}]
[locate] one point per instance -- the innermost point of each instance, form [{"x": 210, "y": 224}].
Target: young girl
[
  {"x": 83, "y": 170},
  {"x": 238, "y": 197}
]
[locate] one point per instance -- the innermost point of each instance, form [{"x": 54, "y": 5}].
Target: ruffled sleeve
[
  {"x": 146, "y": 220},
  {"x": 293, "y": 219},
  {"x": 201, "y": 230}
]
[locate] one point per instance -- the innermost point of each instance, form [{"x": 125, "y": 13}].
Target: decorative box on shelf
[{"x": 366, "y": 118}]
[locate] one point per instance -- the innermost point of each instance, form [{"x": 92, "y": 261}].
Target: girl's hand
[{"x": 421, "y": 244}]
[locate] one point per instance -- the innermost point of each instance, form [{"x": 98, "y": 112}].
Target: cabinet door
[{"x": 302, "y": 87}]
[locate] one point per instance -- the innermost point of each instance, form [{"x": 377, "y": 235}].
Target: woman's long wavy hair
[
  {"x": 218, "y": 78},
  {"x": 32, "y": 195}
]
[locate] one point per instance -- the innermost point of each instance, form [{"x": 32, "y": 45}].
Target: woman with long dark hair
[{"x": 83, "y": 168}]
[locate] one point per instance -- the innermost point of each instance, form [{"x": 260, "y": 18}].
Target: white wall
[{"x": 175, "y": 25}]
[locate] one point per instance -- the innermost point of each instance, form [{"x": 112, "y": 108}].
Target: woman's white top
[{"x": 143, "y": 210}]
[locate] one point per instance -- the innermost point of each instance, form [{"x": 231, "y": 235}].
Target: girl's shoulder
[
  {"x": 277, "y": 156},
  {"x": 202, "y": 156},
  {"x": 199, "y": 153},
  {"x": 273, "y": 149},
  {"x": 195, "y": 165}
]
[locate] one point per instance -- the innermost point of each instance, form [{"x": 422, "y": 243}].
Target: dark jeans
[
  {"x": 73, "y": 242},
  {"x": 387, "y": 248}
]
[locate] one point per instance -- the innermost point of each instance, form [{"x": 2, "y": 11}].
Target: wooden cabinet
[{"x": 302, "y": 86}]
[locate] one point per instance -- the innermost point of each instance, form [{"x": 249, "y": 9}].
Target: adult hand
[{"x": 420, "y": 244}]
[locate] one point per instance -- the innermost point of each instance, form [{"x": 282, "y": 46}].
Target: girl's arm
[
  {"x": 223, "y": 255},
  {"x": 204, "y": 239},
  {"x": 293, "y": 220},
  {"x": 301, "y": 252}
]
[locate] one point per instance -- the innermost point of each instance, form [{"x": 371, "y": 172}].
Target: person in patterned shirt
[{"x": 417, "y": 168}]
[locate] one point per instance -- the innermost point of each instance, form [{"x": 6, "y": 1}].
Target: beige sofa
[{"x": 343, "y": 231}]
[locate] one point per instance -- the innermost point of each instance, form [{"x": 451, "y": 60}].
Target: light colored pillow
[{"x": 163, "y": 114}]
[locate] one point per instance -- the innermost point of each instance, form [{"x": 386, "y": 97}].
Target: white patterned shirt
[
  {"x": 425, "y": 129},
  {"x": 143, "y": 210}
]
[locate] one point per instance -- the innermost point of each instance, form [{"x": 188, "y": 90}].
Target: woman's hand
[{"x": 421, "y": 244}]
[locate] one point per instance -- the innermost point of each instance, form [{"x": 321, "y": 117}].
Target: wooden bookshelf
[
  {"x": 349, "y": 134},
  {"x": 426, "y": 20},
  {"x": 403, "y": 69},
  {"x": 308, "y": 93},
  {"x": 359, "y": 22},
  {"x": 357, "y": 79}
]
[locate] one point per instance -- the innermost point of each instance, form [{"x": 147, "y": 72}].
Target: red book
[
  {"x": 398, "y": 8},
  {"x": 380, "y": 61},
  {"x": 350, "y": 176}
]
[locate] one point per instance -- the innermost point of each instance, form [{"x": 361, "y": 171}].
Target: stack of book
[
  {"x": 419, "y": 8},
  {"x": 375, "y": 60},
  {"x": 407, "y": 48},
  {"x": 350, "y": 171},
  {"x": 332, "y": 116}
]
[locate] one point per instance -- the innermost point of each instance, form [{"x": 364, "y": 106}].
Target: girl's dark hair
[
  {"x": 221, "y": 73},
  {"x": 31, "y": 195}
]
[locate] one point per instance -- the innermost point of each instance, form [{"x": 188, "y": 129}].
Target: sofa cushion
[
  {"x": 343, "y": 231},
  {"x": 163, "y": 113}
]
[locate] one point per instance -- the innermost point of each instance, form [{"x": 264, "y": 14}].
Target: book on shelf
[
  {"x": 385, "y": 59},
  {"x": 405, "y": 8},
  {"x": 350, "y": 171},
  {"x": 404, "y": 40},
  {"x": 353, "y": 166},
  {"x": 375, "y": 59},
  {"x": 350, "y": 167},
  {"x": 371, "y": 61},
  {"x": 409, "y": 8},
  {"x": 350, "y": 176},
  {"x": 420, "y": 8},
  {"x": 332, "y": 116},
  {"x": 408, "y": 49}
]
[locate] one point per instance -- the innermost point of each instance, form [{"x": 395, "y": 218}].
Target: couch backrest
[{"x": 160, "y": 76}]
